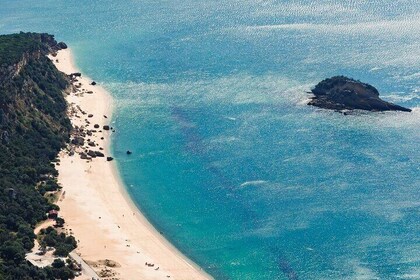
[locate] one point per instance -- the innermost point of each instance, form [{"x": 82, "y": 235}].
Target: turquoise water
[{"x": 228, "y": 162}]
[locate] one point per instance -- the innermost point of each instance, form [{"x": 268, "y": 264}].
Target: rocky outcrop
[
  {"x": 78, "y": 141},
  {"x": 341, "y": 93},
  {"x": 62, "y": 46}
]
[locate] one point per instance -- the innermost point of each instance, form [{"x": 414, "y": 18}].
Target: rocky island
[{"x": 342, "y": 93}]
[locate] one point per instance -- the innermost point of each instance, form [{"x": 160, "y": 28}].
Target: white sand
[{"x": 97, "y": 208}]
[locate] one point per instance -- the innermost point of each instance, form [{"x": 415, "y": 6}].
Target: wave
[{"x": 253, "y": 183}]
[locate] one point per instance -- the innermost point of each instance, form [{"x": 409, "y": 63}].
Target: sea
[{"x": 228, "y": 161}]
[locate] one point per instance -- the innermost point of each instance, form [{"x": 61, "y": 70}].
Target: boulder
[
  {"x": 129, "y": 152},
  {"x": 99, "y": 154},
  {"x": 106, "y": 127},
  {"x": 91, "y": 154},
  {"x": 79, "y": 141},
  {"x": 84, "y": 156},
  {"x": 93, "y": 83},
  {"x": 109, "y": 158},
  {"x": 61, "y": 46},
  {"x": 96, "y": 126}
]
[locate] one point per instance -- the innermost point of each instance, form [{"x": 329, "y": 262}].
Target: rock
[
  {"x": 89, "y": 92},
  {"x": 99, "y": 154},
  {"x": 109, "y": 158},
  {"x": 61, "y": 46},
  {"x": 342, "y": 93},
  {"x": 79, "y": 141},
  {"x": 106, "y": 127},
  {"x": 84, "y": 156},
  {"x": 129, "y": 152},
  {"x": 105, "y": 117},
  {"x": 76, "y": 74},
  {"x": 96, "y": 126},
  {"x": 91, "y": 153},
  {"x": 92, "y": 144},
  {"x": 93, "y": 83},
  {"x": 90, "y": 115}
]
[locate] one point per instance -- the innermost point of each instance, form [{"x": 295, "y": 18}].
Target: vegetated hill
[
  {"x": 342, "y": 93},
  {"x": 33, "y": 128}
]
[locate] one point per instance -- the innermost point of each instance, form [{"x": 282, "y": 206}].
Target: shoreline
[{"x": 97, "y": 207}]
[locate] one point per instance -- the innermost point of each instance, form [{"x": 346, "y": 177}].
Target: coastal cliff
[
  {"x": 34, "y": 127},
  {"x": 342, "y": 93}
]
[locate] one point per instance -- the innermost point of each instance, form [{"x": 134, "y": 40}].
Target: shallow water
[{"x": 228, "y": 161}]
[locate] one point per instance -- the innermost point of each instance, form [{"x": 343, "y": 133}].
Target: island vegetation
[{"x": 34, "y": 127}]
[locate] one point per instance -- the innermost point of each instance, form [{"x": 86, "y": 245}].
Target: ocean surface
[{"x": 228, "y": 162}]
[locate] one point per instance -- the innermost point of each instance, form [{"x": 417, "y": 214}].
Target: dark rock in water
[
  {"x": 106, "y": 127},
  {"x": 342, "y": 93},
  {"x": 93, "y": 83},
  {"x": 109, "y": 158},
  {"x": 129, "y": 153},
  {"x": 61, "y": 46}
]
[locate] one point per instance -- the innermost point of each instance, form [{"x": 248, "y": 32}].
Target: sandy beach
[{"x": 96, "y": 207}]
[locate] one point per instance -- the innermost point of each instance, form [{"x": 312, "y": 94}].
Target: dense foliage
[
  {"x": 33, "y": 128},
  {"x": 63, "y": 244},
  {"x": 12, "y": 46}
]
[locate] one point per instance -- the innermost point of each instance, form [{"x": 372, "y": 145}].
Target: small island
[{"x": 341, "y": 93}]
